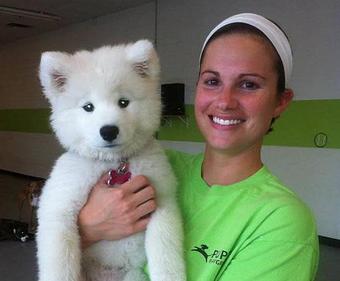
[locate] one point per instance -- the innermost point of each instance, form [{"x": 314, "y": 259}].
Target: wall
[
  {"x": 32, "y": 151},
  {"x": 290, "y": 152},
  {"x": 313, "y": 28}
]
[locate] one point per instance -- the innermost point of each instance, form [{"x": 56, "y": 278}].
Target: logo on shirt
[{"x": 211, "y": 256}]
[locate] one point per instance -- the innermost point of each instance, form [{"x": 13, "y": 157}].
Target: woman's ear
[{"x": 284, "y": 100}]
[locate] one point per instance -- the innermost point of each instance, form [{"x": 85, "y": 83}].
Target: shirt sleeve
[{"x": 283, "y": 248}]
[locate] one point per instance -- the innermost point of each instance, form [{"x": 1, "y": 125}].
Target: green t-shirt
[{"x": 254, "y": 230}]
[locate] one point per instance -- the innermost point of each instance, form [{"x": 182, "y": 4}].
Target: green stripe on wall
[
  {"x": 180, "y": 128},
  {"x": 298, "y": 126},
  {"x": 25, "y": 120},
  {"x": 304, "y": 120}
]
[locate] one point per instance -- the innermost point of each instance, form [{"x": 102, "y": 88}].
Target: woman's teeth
[{"x": 226, "y": 122}]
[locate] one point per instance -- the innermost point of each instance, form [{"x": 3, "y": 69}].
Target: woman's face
[{"x": 236, "y": 95}]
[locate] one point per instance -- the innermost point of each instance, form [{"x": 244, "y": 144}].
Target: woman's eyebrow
[
  {"x": 241, "y": 75},
  {"x": 210, "y": 72}
]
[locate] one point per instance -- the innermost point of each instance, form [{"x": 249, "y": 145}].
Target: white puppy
[{"x": 105, "y": 111}]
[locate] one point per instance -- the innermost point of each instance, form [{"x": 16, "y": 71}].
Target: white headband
[{"x": 273, "y": 33}]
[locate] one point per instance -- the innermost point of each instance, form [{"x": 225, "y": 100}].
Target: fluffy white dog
[{"x": 105, "y": 111}]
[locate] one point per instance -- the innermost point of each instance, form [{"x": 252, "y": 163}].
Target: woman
[{"x": 241, "y": 222}]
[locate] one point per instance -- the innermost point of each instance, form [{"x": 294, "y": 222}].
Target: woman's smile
[{"x": 224, "y": 121}]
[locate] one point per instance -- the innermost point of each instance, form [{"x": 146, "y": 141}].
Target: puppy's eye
[
  {"x": 123, "y": 102},
  {"x": 89, "y": 107}
]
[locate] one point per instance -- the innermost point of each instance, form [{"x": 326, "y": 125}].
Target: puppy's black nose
[{"x": 109, "y": 133}]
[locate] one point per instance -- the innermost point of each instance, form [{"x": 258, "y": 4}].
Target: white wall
[
  {"x": 313, "y": 27},
  {"x": 19, "y": 85},
  {"x": 34, "y": 154},
  {"x": 28, "y": 154}
]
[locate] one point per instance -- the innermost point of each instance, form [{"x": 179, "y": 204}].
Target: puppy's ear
[
  {"x": 143, "y": 58},
  {"x": 53, "y": 72}
]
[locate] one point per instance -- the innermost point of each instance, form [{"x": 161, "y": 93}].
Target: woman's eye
[
  {"x": 211, "y": 82},
  {"x": 88, "y": 107},
  {"x": 123, "y": 103},
  {"x": 249, "y": 85}
]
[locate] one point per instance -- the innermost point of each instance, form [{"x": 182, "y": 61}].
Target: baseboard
[{"x": 329, "y": 241}]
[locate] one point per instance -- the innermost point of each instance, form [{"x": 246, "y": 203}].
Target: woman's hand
[{"x": 112, "y": 213}]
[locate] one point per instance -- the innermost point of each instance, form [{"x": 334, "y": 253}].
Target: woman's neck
[{"x": 225, "y": 169}]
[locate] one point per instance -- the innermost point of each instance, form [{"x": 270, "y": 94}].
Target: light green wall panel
[
  {"x": 298, "y": 126},
  {"x": 25, "y": 120},
  {"x": 304, "y": 120}
]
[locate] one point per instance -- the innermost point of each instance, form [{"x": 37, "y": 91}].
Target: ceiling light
[{"x": 28, "y": 14}]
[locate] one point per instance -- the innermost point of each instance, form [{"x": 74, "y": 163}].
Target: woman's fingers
[
  {"x": 145, "y": 209},
  {"x": 145, "y": 194}
]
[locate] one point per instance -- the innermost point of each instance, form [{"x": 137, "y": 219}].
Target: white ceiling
[{"x": 69, "y": 11}]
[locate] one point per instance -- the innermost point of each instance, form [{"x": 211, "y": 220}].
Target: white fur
[{"x": 102, "y": 77}]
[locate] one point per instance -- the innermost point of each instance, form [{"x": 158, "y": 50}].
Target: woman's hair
[{"x": 243, "y": 28}]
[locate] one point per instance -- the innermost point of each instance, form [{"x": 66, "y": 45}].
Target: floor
[
  {"x": 18, "y": 262},
  {"x": 329, "y": 263}
]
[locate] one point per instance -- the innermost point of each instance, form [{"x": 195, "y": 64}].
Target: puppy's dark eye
[
  {"x": 89, "y": 107},
  {"x": 123, "y": 103}
]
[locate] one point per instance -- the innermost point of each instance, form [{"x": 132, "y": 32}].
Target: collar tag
[{"x": 121, "y": 175}]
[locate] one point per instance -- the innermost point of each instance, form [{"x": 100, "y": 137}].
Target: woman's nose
[{"x": 227, "y": 99}]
